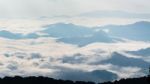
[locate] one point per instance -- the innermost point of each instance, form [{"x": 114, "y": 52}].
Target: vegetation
[{"x": 46, "y": 80}]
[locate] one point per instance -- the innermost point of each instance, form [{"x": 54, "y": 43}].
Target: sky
[
  {"x": 81, "y": 12},
  {"x": 49, "y": 8}
]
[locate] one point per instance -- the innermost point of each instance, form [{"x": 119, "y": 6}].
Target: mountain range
[
  {"x": 95, "y": 75},
  {"x": 114, "y": 14},
  {"x": 138, "y": 31},
  {"x": 81, "y": 36},
  {"x": 74, "y": 34},
  {"x": 142, "y": 52},
  {"x": 123, "y": 61}
]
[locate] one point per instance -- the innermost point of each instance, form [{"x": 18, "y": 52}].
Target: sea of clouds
[{"x": 45, "y": 56}]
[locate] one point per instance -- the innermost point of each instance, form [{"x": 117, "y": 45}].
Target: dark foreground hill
[
  {"x": 45, "y": 80},
  {"x": 38, "y": 80},
  {"x": 142, "y": 80}
]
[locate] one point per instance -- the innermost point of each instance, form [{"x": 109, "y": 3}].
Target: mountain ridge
[{"x": 81, "y": 36}]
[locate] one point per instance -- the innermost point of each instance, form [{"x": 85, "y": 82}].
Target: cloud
[{"x": 46, "y": 56}]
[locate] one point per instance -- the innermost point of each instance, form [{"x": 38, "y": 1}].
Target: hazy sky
[
  {"x": 38, "y": 8},
  {"x": 20, "y": 14}
]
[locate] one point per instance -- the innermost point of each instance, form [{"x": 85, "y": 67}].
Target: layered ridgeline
[
  {"x": 80, "y": 35},
  {"x": 138, "y": 31},
  {"x": 142, "y": 52},
  {"x": 124, "y": 61},
  {"x": 75, "y": 34}
]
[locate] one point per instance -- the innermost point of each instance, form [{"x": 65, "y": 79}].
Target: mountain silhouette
[
  {"x": 7, "y": 34},
  {"x": 138, "y": 31},
  {"x": 121, "y": 60},
  {"x": 113, "y": 14},
  {"x": 11, "y": 35},
  {"x": 95, "y": 75},
  {"x": 74, "y": 34},
  {"x": 142, "y": 80},
  {"x": 81, "y": 36},
  {"x": 141, "y": 52}
]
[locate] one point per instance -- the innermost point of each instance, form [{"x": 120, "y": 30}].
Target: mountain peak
[{"x": 142, "y": 23}]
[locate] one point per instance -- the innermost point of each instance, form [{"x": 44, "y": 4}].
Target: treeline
[
  {"x": 46, "y": 80},
  {"x": 38, "y": 80},
  {"x": 142, "y": 80}
]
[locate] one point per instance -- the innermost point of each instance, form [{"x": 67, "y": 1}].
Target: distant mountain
[
  {"x": 141, "y": 52},
  {"x": 95, "y": 76},
  {"x": 31, "y": 36},
  {"x": 81, "y": 41},
  {"x": 68, "y": 33},
  {"x": 123, "y": 61},
  {"x": 73, "y": 34},
  {"x": 114, "y": 14},
  {"x": 7, "y": 34},
  {"x": 62, "y": 30},
  {"x": 142, "y": 80},
  {"x": 81, "y": 36},
  {"x": 137, "y": 31},
  {"x": 11, "y": 35},
  {"x": 104, "y": 75}
]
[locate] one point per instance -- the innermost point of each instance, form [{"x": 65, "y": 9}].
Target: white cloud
[{"x": 18, "y": 60}]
